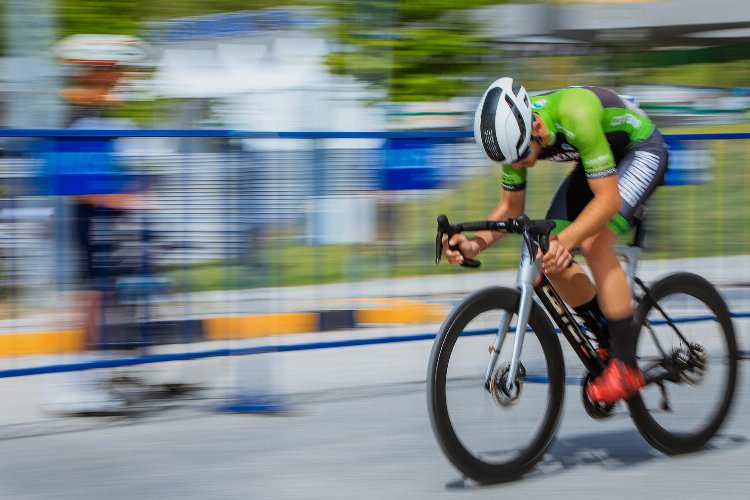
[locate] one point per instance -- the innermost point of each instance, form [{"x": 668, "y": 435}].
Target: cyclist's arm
[
  {"x": 511, "y": 204},
  {"x": 594, "y": 217},
  {"x": 581, "y": 123}
]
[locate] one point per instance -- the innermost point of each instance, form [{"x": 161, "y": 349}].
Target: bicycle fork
[{"x": 528, "y": 273}]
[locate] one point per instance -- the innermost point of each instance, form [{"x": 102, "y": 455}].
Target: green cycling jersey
[{"x": 588, "y": 124}]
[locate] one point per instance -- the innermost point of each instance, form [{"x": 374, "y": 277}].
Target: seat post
[{"x": 639, "y": 235}]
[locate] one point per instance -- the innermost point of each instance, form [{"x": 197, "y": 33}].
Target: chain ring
[
  {"x": 595, "y": 409},
  {"x": 500, "y": 395}
]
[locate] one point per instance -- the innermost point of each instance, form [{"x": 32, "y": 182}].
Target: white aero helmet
[{"x": 502, "y": 121}]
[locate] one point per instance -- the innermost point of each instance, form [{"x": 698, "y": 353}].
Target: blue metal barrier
[{"x": 256, "y": 134}]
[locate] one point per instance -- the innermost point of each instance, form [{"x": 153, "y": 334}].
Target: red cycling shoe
[{"x": 617, "y": 381}]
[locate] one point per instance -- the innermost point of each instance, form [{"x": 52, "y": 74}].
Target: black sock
[
  {"x": 623, "y": 340},
  {"x": 594, "y": 320}
]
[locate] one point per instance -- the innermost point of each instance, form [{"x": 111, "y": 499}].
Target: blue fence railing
[{"x": 257, "y": 134}]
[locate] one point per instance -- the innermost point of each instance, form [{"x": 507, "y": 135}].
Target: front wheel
[
  {"x": 488, "y": 433},
  {"x": 697, "y": 367}
]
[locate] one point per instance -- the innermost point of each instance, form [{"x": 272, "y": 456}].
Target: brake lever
[
  {"x": 438, "y": 246},
  {"x": 444, "y": 229},
  {"x": 544, "y": 243}
]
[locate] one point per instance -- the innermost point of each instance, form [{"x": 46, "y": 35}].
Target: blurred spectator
[
  {"x": 105, "y": 232},
  {"x": 102, "y": 233}
]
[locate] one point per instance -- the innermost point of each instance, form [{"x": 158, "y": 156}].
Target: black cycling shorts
[{"x": 639, "y": 172}]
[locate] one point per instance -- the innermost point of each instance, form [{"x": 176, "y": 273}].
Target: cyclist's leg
[
  {"x": 639, "y": 173},
  {"x": 614, "y": 294},
  {"x": 573, "y": 284}
]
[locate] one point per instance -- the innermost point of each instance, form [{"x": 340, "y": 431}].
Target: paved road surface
[{"x": 358, "y": 429}]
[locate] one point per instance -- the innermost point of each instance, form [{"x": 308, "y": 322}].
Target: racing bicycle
[{"x": 496, "y": 380}]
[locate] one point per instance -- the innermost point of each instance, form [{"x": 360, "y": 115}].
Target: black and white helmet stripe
[{"x": 502, "y": 122}]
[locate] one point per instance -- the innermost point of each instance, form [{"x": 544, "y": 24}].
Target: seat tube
[
  {"x": 631, "y": 255},
  {"x": 528, "y": 273}
]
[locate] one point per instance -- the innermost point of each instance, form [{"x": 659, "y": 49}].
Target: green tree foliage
[
  {"x": 127, "y": 17},
  {"x": 116, "y": 17},
  {"x": 413, "y": 50}
]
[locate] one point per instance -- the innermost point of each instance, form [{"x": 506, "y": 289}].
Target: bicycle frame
[{"x": 531, "y": 281}]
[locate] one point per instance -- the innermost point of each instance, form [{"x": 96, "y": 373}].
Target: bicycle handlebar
[{"x": 532, "y": 230}]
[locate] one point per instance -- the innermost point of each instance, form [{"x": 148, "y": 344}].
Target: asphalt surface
[{"x": 356, "y": 426}]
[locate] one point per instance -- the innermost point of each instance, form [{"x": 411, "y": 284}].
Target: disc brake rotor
[{"x": 503, "y": 397}]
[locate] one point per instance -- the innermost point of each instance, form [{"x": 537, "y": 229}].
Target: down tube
[{"x": 563, "y": 318}]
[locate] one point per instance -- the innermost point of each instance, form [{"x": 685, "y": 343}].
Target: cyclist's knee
[{"x": 601, "y": 244}]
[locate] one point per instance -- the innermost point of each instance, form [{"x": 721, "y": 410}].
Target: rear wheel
[
  {"x": 488, "y": 433},
  {"x": 686, "y": 409}
]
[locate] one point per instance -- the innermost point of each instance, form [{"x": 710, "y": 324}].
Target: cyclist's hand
[
  {"x": 459, "y": 242},
  {"x": 557, "y": 257}
]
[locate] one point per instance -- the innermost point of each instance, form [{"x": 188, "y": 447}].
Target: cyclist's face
[{"x": 539, "y": 132}]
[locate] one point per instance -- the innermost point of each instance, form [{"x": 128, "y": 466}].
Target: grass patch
[
  {"x": 724, "y": 74},
  {"x": 709, "y": 129}
]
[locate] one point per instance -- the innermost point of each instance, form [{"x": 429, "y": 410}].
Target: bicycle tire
[
  {"x": 661, "y": 438},
  {"x": 494, "y": 298}
]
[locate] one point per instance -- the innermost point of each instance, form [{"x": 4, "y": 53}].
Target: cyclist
[{"x": 620, "y": 159}]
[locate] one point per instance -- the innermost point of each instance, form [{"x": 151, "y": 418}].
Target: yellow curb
[
  {"x": 394, "y": 311},
  {"x": 406, "y": 312},
  {"x": 242, "y": 327},
  {"x": 26, "y": 344}
]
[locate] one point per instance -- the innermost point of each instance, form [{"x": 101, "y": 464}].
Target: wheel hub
[
  {"x": 503, "y": 397},
  {"x": 691, "y": 362}
]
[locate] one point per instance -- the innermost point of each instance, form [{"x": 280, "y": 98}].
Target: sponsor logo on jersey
[
  {"x": 564, "y": 156},
  {"x": 568, "y": 133},
  {"x": 626, "y": 118},
  {"x": 599, "y": 160},
  {"x": 539, "y": 104},
  {"x": 567, "y": 147}
]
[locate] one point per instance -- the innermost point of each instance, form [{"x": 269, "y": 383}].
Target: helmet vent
[{"x": 487, "y": 125}]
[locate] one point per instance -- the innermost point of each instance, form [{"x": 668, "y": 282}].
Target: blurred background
[{"x": 179, "y": 175}]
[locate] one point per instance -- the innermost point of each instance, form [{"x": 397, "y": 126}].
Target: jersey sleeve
[
  {"x": 581, "y": 116},
  {"x": 514, "y": 179}
]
